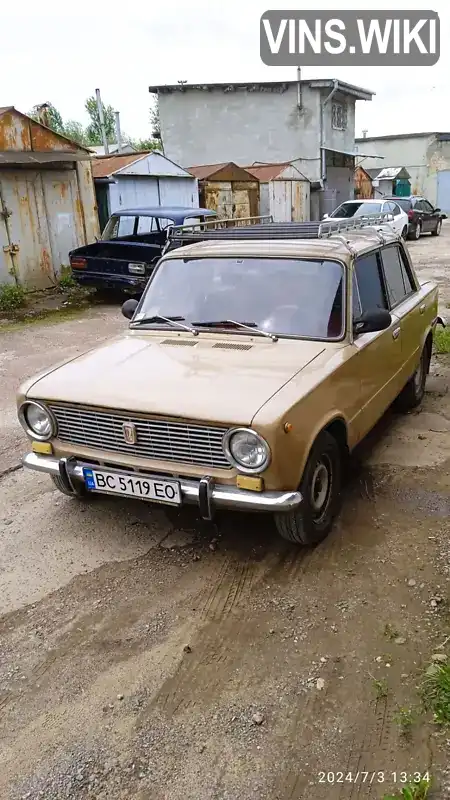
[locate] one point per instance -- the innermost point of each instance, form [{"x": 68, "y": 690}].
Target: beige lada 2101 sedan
[{"x": 250, "y": 369}]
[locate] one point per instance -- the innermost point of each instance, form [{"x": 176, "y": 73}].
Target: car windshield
[
  {"x": 347, "y": 210},
  {"x": 291, "y": 297}
]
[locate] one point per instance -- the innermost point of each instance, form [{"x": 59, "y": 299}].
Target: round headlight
[
  {"x": 37, "y": 421},
  {"x": 247, "y": 450}
]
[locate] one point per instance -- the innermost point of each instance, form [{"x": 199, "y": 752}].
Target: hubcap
[
  {"x": 417, "y": 231},
  {"x": 438, "y": 227},
  {"x": 319, "y": 486}
]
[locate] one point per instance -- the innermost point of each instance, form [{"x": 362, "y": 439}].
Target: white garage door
[{"x": 443, "y": 190}]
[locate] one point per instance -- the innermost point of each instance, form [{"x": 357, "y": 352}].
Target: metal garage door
[{"x": 443, "y": 190}]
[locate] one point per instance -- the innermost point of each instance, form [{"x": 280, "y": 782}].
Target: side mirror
[
  {"x": 437, "y": 210},
  {"x": 325, "y": 216},
  {"x": 371, "y": 321},
  {"x": 129, "y": 307}
]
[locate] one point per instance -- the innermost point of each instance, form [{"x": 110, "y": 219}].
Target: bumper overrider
[{"x": 205, "y": 493}]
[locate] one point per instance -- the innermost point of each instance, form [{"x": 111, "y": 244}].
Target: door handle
[
  {"x": 396, "y": 333},
  {"x": 422, "y": 308}
]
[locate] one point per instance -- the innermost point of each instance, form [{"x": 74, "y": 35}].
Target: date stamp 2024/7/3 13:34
[{"x": 370, "y": 777}]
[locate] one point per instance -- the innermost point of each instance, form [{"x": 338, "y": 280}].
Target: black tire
[
  {"x": 405, "y": 232},
  {"x": 438, "y": 228},
  {"x": 81, "y": 495},
  {"x": 412, "y": 394},
  {"x": 309, "y": 524},
  {"x": 417, "y": 231}
]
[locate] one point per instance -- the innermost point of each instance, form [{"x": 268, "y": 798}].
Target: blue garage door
[{"x": 443, "y": 190}]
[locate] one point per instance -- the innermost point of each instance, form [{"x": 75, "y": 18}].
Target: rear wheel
[
  {"x": 412, "y": 394},
  {"x": 417, "y": 231},
  {"x": 320, "y": 489},
  {"x": 437, "y": 229},
  {"x": 405, "y": 232}
]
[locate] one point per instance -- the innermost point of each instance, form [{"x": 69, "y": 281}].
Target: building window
[{"x": 339, "y": 116}]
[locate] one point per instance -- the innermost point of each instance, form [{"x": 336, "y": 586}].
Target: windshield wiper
[
  {"x": 250, "y": 326},
  {"x": 171, "y": 320}
]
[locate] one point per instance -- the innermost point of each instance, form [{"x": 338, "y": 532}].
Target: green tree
[
  {"x": 93, "y": 130},
  {"x": 48, "y": 115},
  {"x": 155, "y": 121},
  {"x": 75, "y": 131}
]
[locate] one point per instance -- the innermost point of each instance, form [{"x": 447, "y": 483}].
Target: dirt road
[{"x": 146, "y": 654}]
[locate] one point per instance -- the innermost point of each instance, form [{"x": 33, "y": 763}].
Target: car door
[
  {"x": 399, "y": 222},
  {"x": 421, "y": 215},
  {"x": 378, "y": 358},
  {"x": 429, "y": 215},
  {"x": 407, "y": 301}
]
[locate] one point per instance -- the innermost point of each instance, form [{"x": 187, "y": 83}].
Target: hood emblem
[{"x": 129, "y": 432}]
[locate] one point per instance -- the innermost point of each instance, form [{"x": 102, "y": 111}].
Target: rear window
[{"x": 406, "y": 205}]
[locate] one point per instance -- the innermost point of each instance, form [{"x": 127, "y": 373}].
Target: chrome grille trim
[{"x": 160, "y": 440}]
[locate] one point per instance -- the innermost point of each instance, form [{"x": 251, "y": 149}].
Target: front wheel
[
  {"x": 437, "y": 229},
  {"x": 412, "y": 394},
  {"x": 321, "y": 490},
  {"x": 81, "y": 491}
]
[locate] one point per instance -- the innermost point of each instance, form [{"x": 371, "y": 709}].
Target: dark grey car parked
[{"x": 422, "y": 216}]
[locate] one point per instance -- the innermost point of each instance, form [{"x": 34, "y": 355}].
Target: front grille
[{"x": 161, "y": 440}]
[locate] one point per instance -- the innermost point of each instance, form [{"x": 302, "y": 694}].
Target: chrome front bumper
[{"x": 205, "y": 493}]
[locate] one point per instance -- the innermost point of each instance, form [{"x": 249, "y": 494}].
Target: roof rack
[{"x": 244, "y": 229}]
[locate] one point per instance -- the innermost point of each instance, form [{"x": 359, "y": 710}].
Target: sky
[{"x": 60, "y": 53}]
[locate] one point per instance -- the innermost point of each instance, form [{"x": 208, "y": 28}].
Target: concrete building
[
  {"x": 426, "y": 156},
  {"x": 47, "y": 200},
  {"x": 136, "y": 180},
  {"x": 307, "y": 122}
]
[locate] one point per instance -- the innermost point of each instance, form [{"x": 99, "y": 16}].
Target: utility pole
[
  {"x": 102, "y": 121},
  {"x": 118, "y": 133}
]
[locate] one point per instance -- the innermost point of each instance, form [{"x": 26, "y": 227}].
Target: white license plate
[{"x": 162, "y": 491}]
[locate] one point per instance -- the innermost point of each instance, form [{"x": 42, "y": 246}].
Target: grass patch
[
  {"x": 442, "y": 340},
  {"x": 11, "y": 297},
  {"x": 52, "y": 317},
  {"x": 390, "y": 632},
  {"x": 405, "y": 718},
  {"x": 436, "y": 692},
  {"x": 412, "y": 791},
  {"x": 380, "y": 688}
]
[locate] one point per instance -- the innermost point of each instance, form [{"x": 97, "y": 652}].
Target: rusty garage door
[
  {"x": 41, "y": 221},
  {"x": 231, "y": 199}
]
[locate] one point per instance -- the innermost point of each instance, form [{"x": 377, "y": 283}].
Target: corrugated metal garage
[
  {"x": 284, "y": 192},
  {"x": 137, "y": 180},
  {"x": 47, "y": 201},
  {"x": 228, "y": 189}
]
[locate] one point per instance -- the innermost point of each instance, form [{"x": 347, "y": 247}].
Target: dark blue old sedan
[{"x": 130, "y": 245}]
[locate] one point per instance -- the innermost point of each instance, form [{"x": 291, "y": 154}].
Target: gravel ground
[{"x": 147, "y": 654}]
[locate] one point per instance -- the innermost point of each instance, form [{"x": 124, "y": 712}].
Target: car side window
[
  {"x": 370, "y": 283},
  {"x": 396, "y": 209},
  {"x": 427, "y": 206},
  {"x": 419, "y": 205},
  {"x": 394, "y": 273},
  {"x": 407, "y": 275}
]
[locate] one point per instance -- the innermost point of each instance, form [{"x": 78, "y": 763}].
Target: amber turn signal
[
  {"x": 249, "y": 483},
  {"x": 44, "y": 448},
  {"x": 287, "y": 427}
]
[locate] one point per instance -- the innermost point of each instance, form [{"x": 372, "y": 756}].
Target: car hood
[{"x": 211, "y": 378}]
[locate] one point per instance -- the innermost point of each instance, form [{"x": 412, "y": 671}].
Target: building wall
[
  {"x": 423, "y": 157},
  {"x": 208, "y": 127}
]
